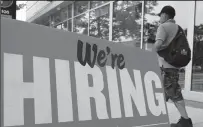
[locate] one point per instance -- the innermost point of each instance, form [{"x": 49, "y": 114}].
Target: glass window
[
  {"x": 99, "y": 23},
  {"x": 81, "y": 24},
  {"x": 58, "y": 26},
  {"x": 197, "y": 75},
  {"x": 80, "y": 7},
  {"x": 70, "y": 11},
  {"x": 70, "y": 25},
  {"x": 46, "y": 24},
  {"x": 127, "y": 22},
  {"x": 64, "y": 26},
  {"x": 94, "y": 4},
  {"x": 151, "y": 22},
  {"x": 45, "y": 21},
  {"x": 60, "y": 15},
  {"x": 56, "y": 17},
  {"x": 64, "y": 14}
]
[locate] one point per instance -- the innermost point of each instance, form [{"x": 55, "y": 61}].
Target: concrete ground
[{"x": 194, "y": 109}]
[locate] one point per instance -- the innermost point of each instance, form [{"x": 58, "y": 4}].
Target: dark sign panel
[
  {"x": 52, "y": 78},
  {"x": 8, "y": 9}
]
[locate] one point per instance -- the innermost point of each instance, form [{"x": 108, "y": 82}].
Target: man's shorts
[{"x": 172, "y": 88}]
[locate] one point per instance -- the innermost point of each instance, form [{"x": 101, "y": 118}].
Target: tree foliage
[{"x": 126, "y": 20}]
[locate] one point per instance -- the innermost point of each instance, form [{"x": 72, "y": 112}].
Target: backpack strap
[
  {"x": 176, "y": 36},
  {"x": 179, "y": 30}
]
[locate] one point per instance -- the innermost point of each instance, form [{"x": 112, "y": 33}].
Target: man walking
[{"x": 165, "y": 34}]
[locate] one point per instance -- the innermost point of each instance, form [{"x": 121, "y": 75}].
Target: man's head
[{"x": 167, "y": 12}]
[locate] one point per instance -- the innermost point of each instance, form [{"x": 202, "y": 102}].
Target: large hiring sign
[{"x": 53, "y": 78}]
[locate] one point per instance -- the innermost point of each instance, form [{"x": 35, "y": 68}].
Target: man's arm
[
  {"x": 160, "y": 38},
  {"x": 157, "y": 45}
]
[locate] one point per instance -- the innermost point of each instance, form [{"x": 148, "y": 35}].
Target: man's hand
[{"x": 157, "y": 45}]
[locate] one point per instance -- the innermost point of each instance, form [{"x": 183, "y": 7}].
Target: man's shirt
[{"x": 166, "y": 32}]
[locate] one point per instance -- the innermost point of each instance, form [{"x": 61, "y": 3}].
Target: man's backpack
[{"x": 177, "y": 53}]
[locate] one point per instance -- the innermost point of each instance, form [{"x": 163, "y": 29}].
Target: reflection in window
[
  {"x": 70, "y": 25},
  {"x": 127, "y": 21},
  {"x": 81, "y": 24},
  {"x": 56, "y": 17},
  {"x": 64, "y": 26},
  {"x": 94, "y": 4},
  {"x": 69, "y": 11},
  {"x": 60, "y": 15},
  {"x": 58, "y": 26},
  {"x": 63, "y": 14},
  {"x": 46, "y": 24},
  {"x": 151, "y": 23},
  {"x": 45, "y": 21},
  {"x": 99, "y": 23},
  {"x": 80, "y": 7},
  {"x": 197, "y": 76}
]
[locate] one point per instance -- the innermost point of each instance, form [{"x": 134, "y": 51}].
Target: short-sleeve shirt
[{"x": 166, "y": 32}]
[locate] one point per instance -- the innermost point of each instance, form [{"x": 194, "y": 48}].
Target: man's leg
[
  {"x": 173, "y": 92},
  {"x": 180, "y": 105},
  {"x": 184, "y": 121}
]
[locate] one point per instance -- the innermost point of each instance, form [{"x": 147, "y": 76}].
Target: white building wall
[
  {"x": 29, "y": 4},
  {"x": 21, "y": 14}
]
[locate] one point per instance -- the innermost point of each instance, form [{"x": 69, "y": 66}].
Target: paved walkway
[{"x": 195, "y": 112}]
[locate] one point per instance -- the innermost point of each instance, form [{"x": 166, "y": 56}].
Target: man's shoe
[{"x": 183, "y": 123}]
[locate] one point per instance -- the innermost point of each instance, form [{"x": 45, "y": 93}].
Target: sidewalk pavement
[{"x": 195, "y": 112}]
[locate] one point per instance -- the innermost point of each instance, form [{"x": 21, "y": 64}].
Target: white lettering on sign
[
  {"x": 155, "y": 109},
  {"x": 15, "y": 90},
  {"x": 84, "y": 92},
  {"x": 5, "y": 12},
  {"x": 130, "y": 92},
  {"x": 63, "y": 86},
  {"x": 114, "y": 93}
]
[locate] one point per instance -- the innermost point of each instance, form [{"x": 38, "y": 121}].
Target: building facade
[{"x": 130, "y": 23}]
